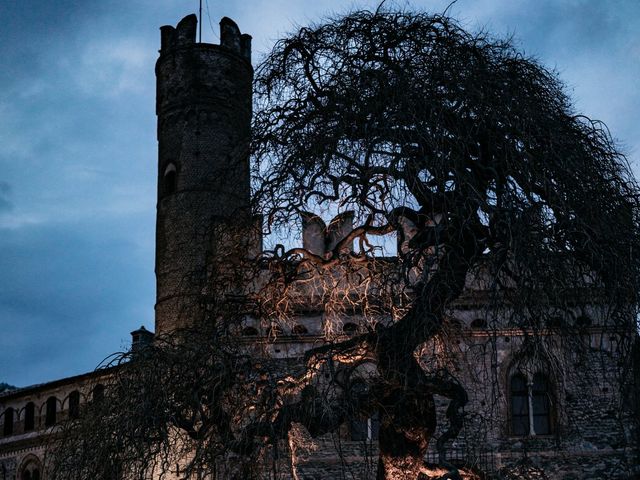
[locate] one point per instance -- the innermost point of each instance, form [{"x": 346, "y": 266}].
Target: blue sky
[{"x": 78, "y": 147}]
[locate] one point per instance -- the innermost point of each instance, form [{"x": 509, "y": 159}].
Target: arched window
[
  {"x": 29, "y": 417},
  {"x": 360, "y": 428},
  {"x": 8, "y": 422},
  {"x": 519, "y": 405},
  {"x": 98, "y": 393},
  {"x": 31, "y": 471},
  {"x": 50, "y": 413},
  {"x": 170, "y": 179},
  {"x": 74, "y": 404},
  {"x": 249, "y": 331},
  {"x": 350, "y": 328},
  {"x": 530, "y": 405},
  {"x": 299, "y": 330}
]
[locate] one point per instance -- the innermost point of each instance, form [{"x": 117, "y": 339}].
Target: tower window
[
  {"x": 170, "y": 179},
  {"x": 29, "y": 417},
  {"x": 8, "y": 422},
  {"x": 50, "y": 414},
  {"x": 74, "y": 404}
]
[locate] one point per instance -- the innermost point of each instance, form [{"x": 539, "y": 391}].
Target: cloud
[
  {"x": 78, "y": 146},
  {"x": 112, "y": 67},
  {"x": 69, "y": 295},
  {"x": 5, "y": 204}
]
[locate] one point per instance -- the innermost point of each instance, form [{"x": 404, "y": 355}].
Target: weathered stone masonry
[{"x": 204, "y": 114}]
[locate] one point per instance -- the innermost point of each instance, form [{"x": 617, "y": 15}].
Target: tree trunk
[{"x": 407, "y": 423}]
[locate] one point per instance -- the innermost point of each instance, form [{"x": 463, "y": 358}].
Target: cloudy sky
[{"x": 78, "y": 148}]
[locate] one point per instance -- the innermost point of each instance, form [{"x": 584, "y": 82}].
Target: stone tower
[{"x": 203, "y": 105}]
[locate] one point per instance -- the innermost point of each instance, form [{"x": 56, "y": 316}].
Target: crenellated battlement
[
  {"x": 231, "y": 38},
  {"x": 184, "y": 35}
]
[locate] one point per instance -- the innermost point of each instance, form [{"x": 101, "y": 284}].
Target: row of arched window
[
  {"x": 530, "y": 402},
  {"x": 531, "y": 409},
  {"x": 27, "y": 415},
  {"x": 351, "y": 328}
]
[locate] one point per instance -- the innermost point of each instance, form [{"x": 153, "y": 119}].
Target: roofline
[{"x": 12, "y": 394}]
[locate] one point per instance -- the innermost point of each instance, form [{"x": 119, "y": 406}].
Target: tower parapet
[{"x": 203, "y": 106}]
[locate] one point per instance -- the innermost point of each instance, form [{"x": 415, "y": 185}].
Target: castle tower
[{"x": 203, "y": 105}]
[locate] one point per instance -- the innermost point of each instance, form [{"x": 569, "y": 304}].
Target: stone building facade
[
  {"x": 556, "y": 415},
  {"x": 30, "y": 414}
]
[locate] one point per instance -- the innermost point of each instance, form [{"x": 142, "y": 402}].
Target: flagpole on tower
[{"x": 200, "y": 21}]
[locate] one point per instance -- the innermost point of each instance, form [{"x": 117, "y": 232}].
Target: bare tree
[
  {"x": 408, "y": 118},
  {"x": 466, "y": 150}
]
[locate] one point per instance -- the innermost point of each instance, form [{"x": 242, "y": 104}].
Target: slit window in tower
[{"x": 170, "y": 179}]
